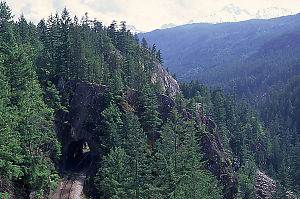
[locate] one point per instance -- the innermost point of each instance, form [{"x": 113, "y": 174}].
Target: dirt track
[{"x": 70, "y": 187}]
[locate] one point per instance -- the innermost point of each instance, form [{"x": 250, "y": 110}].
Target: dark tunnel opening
[{"x": 78, "y": 156}]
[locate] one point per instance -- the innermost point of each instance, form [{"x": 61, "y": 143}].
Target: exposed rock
[
  {"x": 291, "y": 195},
  {"x": 217, "y": 162},
  {"x": 265, "y": 185},
  {"x": 86, "y": 95},
  {"x": 168, "y": 82}
]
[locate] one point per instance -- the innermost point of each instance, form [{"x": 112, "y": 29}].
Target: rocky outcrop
[
  {"x": 291, "y": 195},
  {"x": 159, "y": 74},
  {"x": 217, "y": 162},
  {"x": 264, "y": 186}
]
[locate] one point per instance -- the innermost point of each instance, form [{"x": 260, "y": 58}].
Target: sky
[{"x": 145, "y": 15}]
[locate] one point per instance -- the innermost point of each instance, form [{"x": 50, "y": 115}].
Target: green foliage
[
  {"x": 280, "y": 113},
  {"x": 112, "y": 124},
  {"x": 242, "y": 133},
  {"x": 246, "y": 178},
  {"x": 114, "y": 178},
  {"x": 150, "y": 117},
  {"x": 28, "y": 139},
  {"x": 40, "y": 66}
]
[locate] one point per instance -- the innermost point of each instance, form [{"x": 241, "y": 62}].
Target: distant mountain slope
[
  {"x": 275, "y": 62},
  {"x": 197, "y": 47},
  {"x": 251, "y": 55}
]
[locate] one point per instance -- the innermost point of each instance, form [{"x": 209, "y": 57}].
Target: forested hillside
[
  {"x": 255, "y": 61},
  {"x": 280, "y": 111},
  {"x": 276, "y": 61},
  {"x": 266, "y": 135},
  {"x": 77, "y": 96},
  {"x": 42, "y": 68}
]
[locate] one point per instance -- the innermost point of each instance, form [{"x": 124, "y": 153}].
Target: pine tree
[
  {"x": 65, "y": 48},
  {"x": 167, "y": 159},
  {"x": 112, "y": 32},
  {"x": 192, "y": 180},
  {"x": 153, "y": 51},
  {"x": 114, "y": 179},
  {"x": 112, "y": 126},
  {"x": 144, "y": 43},
  {"x": 159, "y": 57},
  {"x": 134, "y": 143},
  {"x": 28, "y": 135},
  {"x": 150, "y": 117}
]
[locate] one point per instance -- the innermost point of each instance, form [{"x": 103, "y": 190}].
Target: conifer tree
[
  {"x": 112, "y": 126},
  {"x": 114, "y": 179},
  {"x": 27, "y": 129},
  {"x": 159, "y": 57},
  {"x": 153, "y": 51},
  {"x": 144, "y": 43},
  {"x": 150, "y": 117},
  {"x": 134, "y": 143}
]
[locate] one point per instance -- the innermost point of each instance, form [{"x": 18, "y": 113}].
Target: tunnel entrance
[{"x": 78, "y": 156}]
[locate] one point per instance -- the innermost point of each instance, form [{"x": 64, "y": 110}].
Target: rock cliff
[
  {"x": 90, "y": 98},
  {"x": 159, "y": 74}
]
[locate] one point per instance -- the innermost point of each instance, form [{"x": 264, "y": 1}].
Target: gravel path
[{"x": 70, "y": 187}]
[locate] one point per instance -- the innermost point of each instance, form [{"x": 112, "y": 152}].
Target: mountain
[
  {"x": 87, "y": 111},
  {"x": 214, "y": 53},
  {"x": 73, "y": 109},
  {"x": 233, "y": 13},
  {"x": 275, "y": 62},
  {"x": 133, "y": 29},
  {"x": 170, "y": 25}
]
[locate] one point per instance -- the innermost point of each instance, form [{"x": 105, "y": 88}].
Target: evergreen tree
[
  {"x": 153, "y": 51},
  {"x": 114, "y": 179},
  {"x": 134, "y": 143},
  {"x": 150, "y": 117},
  {"x": 144, "y": 43},
  {"x": 112, "y": 126},
  {"x": 159, "y": 57}
]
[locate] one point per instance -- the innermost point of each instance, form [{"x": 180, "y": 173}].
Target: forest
[{"x": 138, "y": 150}]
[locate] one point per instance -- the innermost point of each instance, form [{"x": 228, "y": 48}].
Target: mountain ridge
[{"x": 234, "y": 13}]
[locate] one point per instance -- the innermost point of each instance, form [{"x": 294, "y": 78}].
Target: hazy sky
[{"x": 143, "y": 14}]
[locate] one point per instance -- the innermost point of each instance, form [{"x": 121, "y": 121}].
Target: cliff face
[
  {"x": 160, "y": 74},
  {"x": 90, "y": 98},
  {"x": 217, "y": 161}
]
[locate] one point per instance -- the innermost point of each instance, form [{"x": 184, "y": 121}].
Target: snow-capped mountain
[
  {"x": 233, "y": 13},
  {"x": 170, "y": 25},
  {"x": 133, "y": 29},
  {"x": 273, "y": 12}
]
